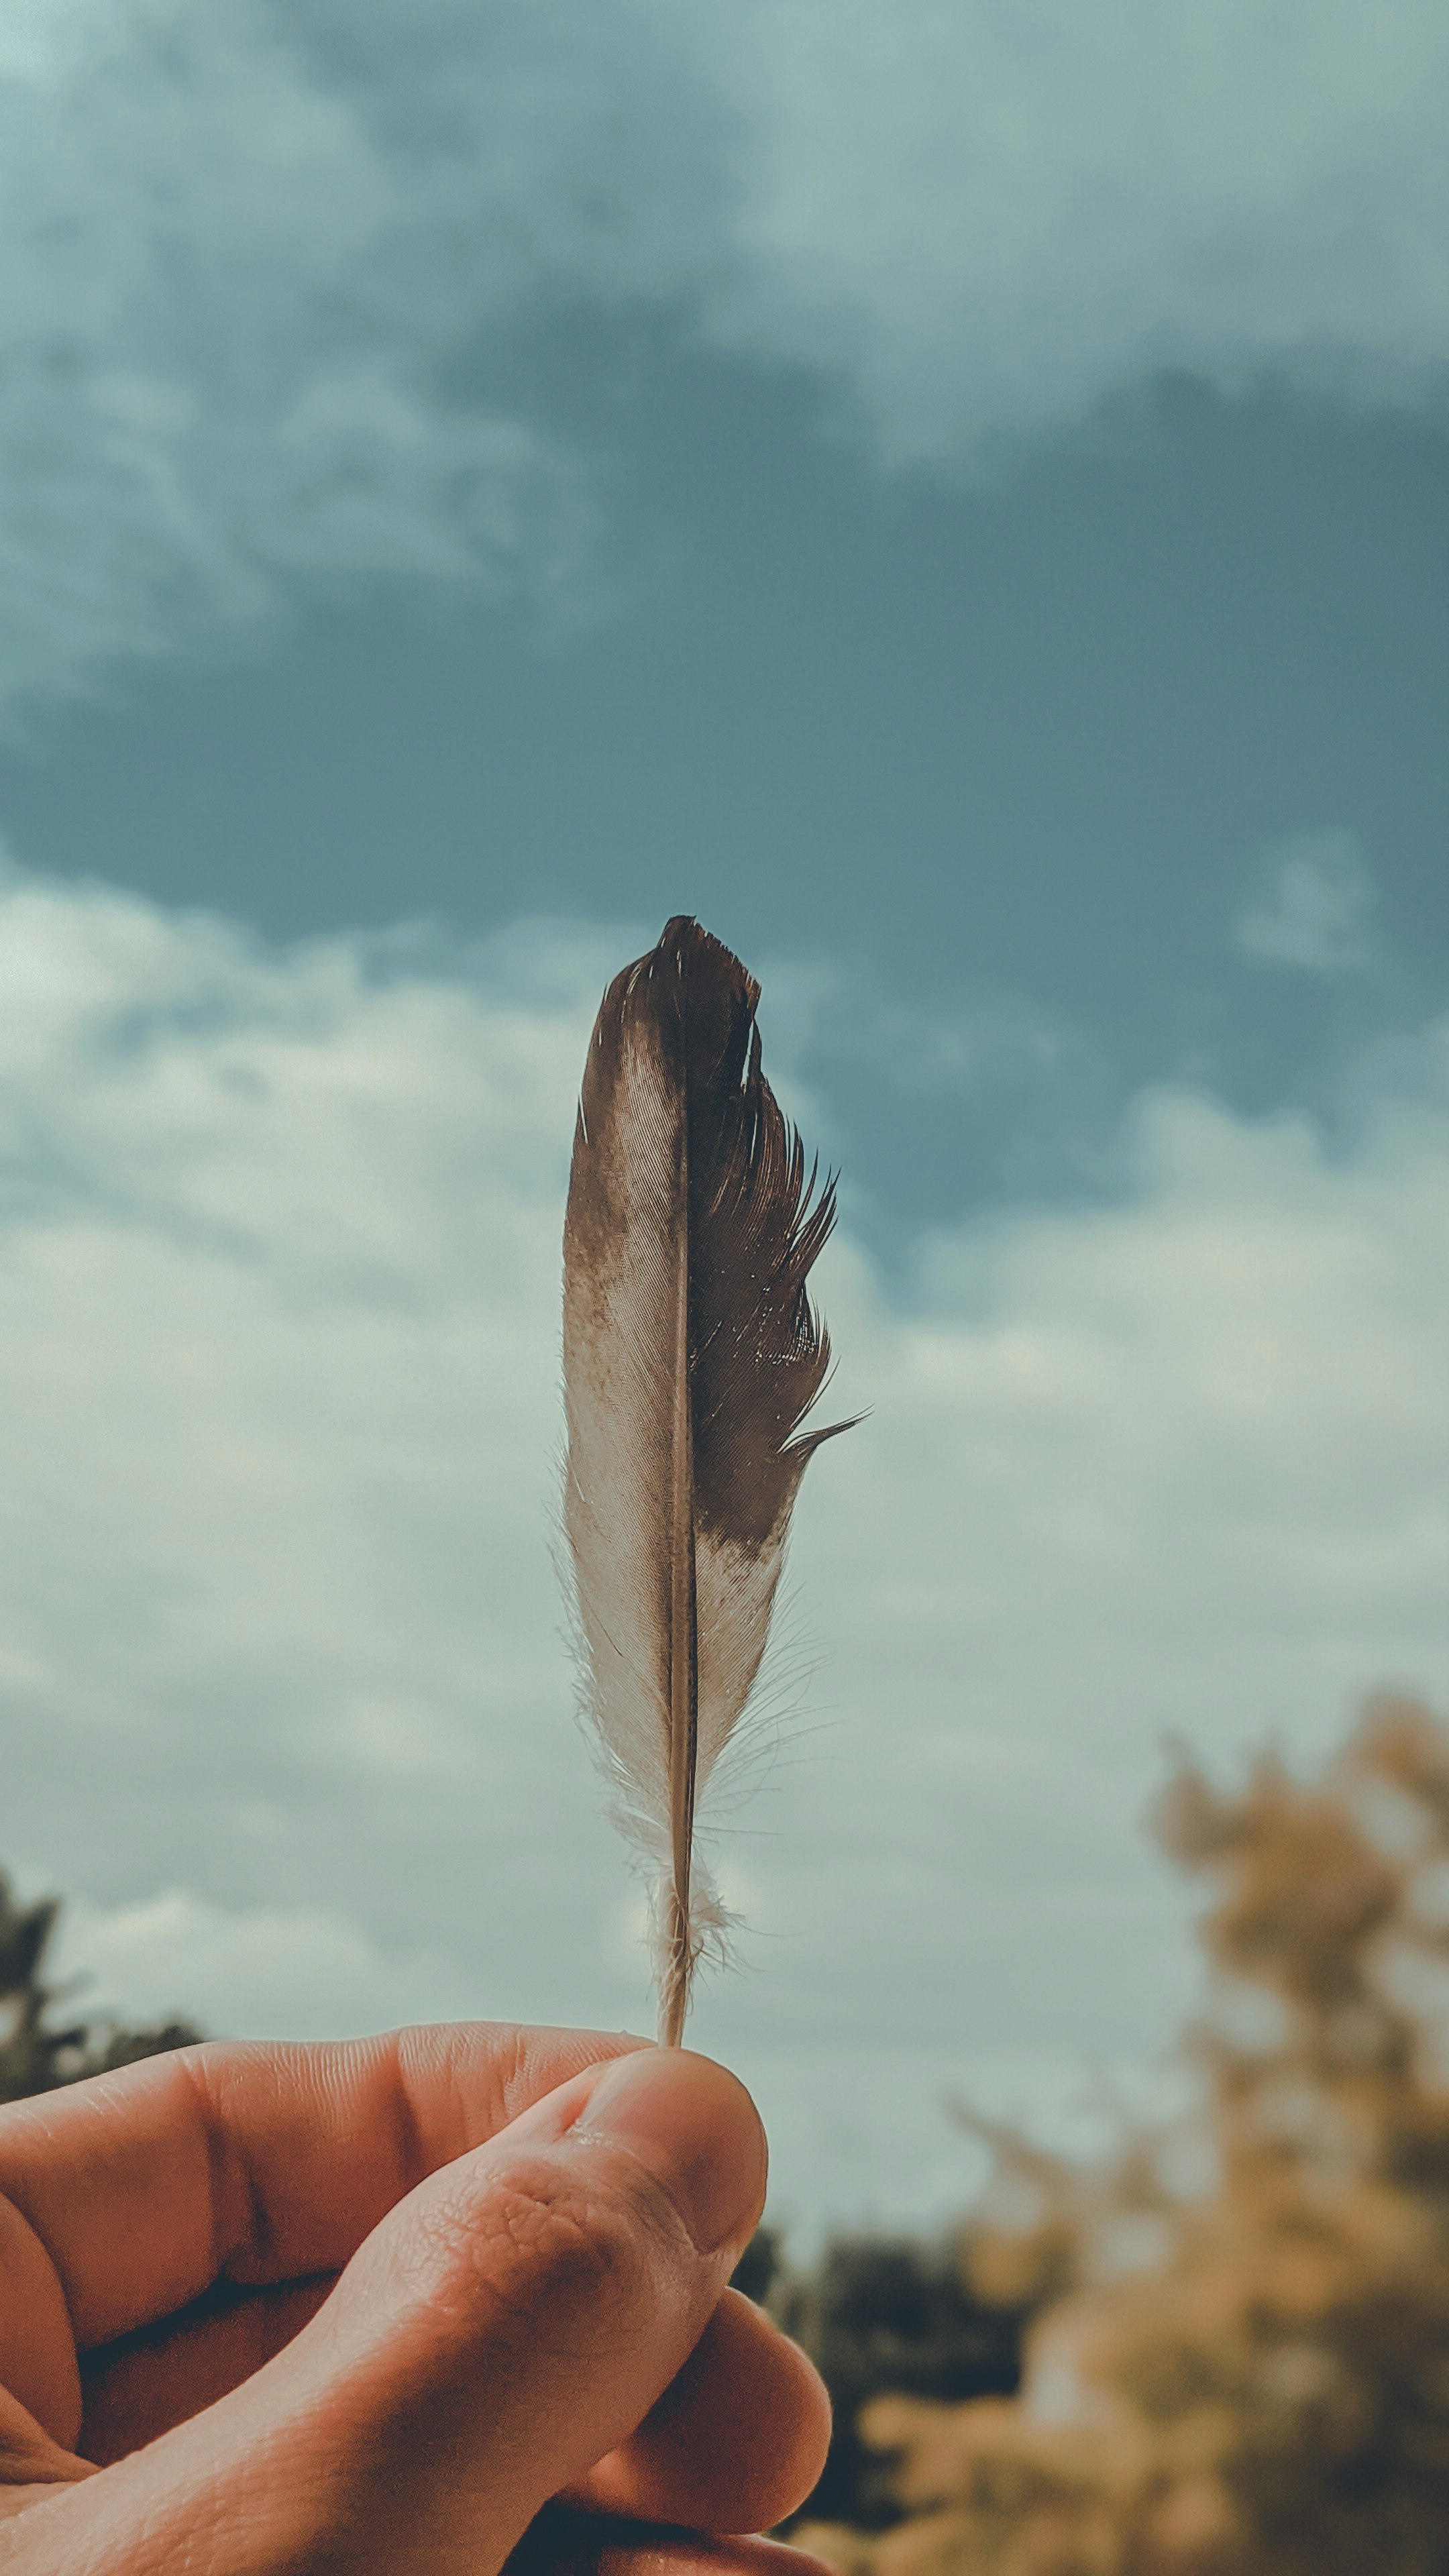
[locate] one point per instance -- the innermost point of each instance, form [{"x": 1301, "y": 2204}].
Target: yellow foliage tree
[{"x": 1249, "y": 2376}]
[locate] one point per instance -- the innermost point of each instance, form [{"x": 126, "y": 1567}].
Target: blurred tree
[
  {"x": 760, "y": 2268},
  {"x": 1246, "y": 2370},
  {"x": 35, "y": 2056},
  {"x": 878, "y": 2313}
]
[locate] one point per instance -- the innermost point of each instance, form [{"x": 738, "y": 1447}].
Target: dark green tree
[
  {"x": 887, "y": 2313},
  {"x": 877, "y": 2313},
  {"x": 36, "y": 2052}
]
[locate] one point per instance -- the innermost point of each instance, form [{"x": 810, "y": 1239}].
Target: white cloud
[
  {"x": 990, "y": 218},
  {"x": 284, "y": 1703},
  {"x": 1313, "y": 908},
  {"x": 298, "y": 1972},
  {"x": 224, "y": 298},
  {"x": 244, "y": 248}
]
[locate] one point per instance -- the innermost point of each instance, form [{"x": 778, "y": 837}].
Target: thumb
[
  {"x": 508, "y": 2324},
  {"x": 519, "y": 2314}
]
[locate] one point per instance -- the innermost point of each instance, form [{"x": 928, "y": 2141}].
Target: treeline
[
  {"x": 36, "y": 2052},
  {"x": 877, "y": 2315}
]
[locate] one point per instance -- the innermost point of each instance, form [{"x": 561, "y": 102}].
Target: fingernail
[{"x": 695, "y": 2127}]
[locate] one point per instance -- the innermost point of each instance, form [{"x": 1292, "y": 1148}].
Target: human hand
[{"x": 372, "y": 2307}]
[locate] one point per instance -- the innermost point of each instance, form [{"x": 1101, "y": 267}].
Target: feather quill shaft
[{"x": 691, "y": 1357}]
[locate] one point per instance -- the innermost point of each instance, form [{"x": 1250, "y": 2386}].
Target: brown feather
[{"x": 691, "y": 1357}]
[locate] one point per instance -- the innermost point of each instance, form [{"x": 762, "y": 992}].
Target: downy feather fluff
[{"x": 691, "y": 1357}]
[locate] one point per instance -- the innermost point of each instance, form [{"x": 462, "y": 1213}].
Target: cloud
[
  {"x": 298, "y": 1972},
  {"x": 253, "y": 258},
  {"x": 989, "y": 219},
  {"x": 286, "y": 1710},
  {"x": 225, "y": 299},
  {"x": 1313, "y": 909}
]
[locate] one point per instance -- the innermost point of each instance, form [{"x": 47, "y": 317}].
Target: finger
[
  {"x": 736, "y": 2442},
  {"x": 562, "y": 2542},
  {"x": 37, "y": 2348},
  {"x": 29, "y": 2459},
  {"x": 253, "y": 2163},
  {"x": 162, "y": 2375},
  {"x": 510, "y": 2323}
]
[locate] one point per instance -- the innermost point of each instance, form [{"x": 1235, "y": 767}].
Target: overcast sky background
[{"x": 958, "y": 496}]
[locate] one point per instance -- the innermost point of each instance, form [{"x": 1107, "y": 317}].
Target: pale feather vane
[{"x": 691, "y": 1357}]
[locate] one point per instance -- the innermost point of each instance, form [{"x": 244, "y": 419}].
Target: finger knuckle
[{"x": 536, "y": 2246}]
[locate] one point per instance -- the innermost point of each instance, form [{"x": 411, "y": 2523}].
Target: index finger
[
  {"x": 563, "y": 2542},
  {"x": 252, "y": 2162}
]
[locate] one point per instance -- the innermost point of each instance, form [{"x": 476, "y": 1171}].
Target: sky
[{"x": 956, "y": 496}]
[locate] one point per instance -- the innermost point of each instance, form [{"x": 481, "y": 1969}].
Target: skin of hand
[{"x": 392, "y": 2305}]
